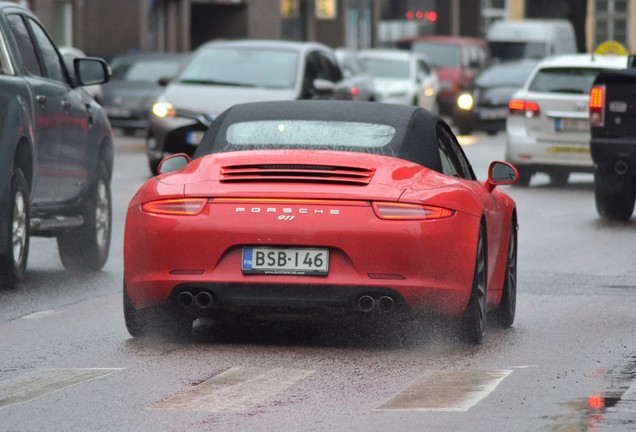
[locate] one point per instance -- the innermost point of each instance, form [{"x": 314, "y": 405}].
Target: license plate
[
  {"x": 492, "y": 114},
  {"x": 194, "y": 137},
  {"x": 118, "y": 112},
  {"x": 285, "y": 261},
  {"x": 571, "y": 125}
]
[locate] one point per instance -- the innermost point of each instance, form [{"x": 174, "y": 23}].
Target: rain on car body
[{"x": 321, "y": 208}]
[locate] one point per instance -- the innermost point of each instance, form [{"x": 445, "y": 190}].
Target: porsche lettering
[{"x": 286, "y": 210}]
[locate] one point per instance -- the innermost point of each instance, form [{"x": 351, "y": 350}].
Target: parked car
[
  {"x": 69, "y": 54},
  {"x": 401, "y": 77},
  {"x": 57, "y": 150},
  {"x": 223, "y": 73},
  {"x": 456, "y": 60},
  {"x": 135, "y": 85},
  {"x": 323, "y": 209},
  {"x": 358, "y": 78},
  {"x": 613, "y": 142},
  {"x": 548, "y": 129},
  {"x": 484, "y": 105}
]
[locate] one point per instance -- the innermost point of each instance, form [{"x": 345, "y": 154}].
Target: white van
[{"x": 530, "y": 38}]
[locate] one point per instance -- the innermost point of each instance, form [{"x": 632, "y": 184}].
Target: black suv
[
  {"x": 56, "y": 150},
  {"x": 613, "y": 142}
]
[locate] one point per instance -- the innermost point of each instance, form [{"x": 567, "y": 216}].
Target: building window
[{"x": 611, "y": 21}]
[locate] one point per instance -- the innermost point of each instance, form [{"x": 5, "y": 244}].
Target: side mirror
[
  {"x": 501, "y": 174},
  {"x": 164, "y": 81},
  {"x": 91, "y": 70},
  {"x": 324, "y": 87},
  {"x": 173, "y": 163}
]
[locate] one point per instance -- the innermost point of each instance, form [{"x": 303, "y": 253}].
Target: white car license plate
[
  {"x": 571, "y": 125},
  {"x": 286, "y": 261}
]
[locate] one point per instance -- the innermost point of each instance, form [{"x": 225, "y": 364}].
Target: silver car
[{"x": 547, "y": 128}]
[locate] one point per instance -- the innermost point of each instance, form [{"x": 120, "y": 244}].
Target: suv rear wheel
[
  {"x": 13, "y": 262},
  {"x": 615, "y": 198}
]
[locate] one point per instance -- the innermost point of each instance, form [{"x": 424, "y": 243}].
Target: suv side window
[
  {"x": 6, "y": 68},
  {"x": 25, "y": 45},
  {"x": 50, "y": 58}
]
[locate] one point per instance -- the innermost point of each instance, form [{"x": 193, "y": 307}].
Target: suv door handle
[
  {"x": 66, "y": 104},
  {"x": 41, "y": 99}
]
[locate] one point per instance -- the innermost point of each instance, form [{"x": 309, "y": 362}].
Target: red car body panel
[{"x": 437, "y": 257}]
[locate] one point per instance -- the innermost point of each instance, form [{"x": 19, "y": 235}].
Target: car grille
[{"x": 297, "y": 173}]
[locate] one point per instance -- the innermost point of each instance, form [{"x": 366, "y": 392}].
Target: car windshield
[
  {"x": 144, "y": 70},
  {"x": 243, "y": 67},
  {"x": 386, "y": 68},
  {"x": 564, "y": 80},
  {"x": 517, "y": 50},
  {"x": 504, "y": 75},
  {"x": 439, "y": 54},
  {"x": 308, "y": 134}
]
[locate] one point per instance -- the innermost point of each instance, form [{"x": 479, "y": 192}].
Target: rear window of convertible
[{"x": 309, "y": 133}]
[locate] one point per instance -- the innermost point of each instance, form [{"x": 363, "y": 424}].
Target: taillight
[
  {"x": 529, "y": 109},
  {"x": 597, "y": 102},
  {"x": 177, "y": 207},
  {"x": 354, "y": 91},
  {"x": 402, "y": 211}
]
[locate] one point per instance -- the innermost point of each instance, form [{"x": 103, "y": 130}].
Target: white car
[
  {"x": 402, "y": 77},
  {"x": 547, "y": 128}
]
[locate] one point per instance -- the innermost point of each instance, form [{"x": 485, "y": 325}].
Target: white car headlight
[{"x": 465, "y": 101}]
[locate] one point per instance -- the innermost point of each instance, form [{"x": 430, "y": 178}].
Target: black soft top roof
[{"x": 415, "y": 138}]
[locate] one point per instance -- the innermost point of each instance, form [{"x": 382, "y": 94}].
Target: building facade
[{"x": 108, "y": 28}]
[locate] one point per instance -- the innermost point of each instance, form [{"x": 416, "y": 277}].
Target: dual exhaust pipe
[
  {"x": 367, "y": 303},
  {"x": 201, "y": 300}
]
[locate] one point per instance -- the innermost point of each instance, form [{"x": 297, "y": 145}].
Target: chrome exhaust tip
[
  {"x": 366, "y": 303},
  {"x": 386, "y": 303},
  {"x": 203, "y": 300},
  {"x": 185, "y": 299}
]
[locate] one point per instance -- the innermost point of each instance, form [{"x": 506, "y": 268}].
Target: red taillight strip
[
  {"x": 290, "y": 201},
  {"x": 403, "y": 211},
  {"x": 176, "y": 206},
  {"x": 518, "y": 106}
]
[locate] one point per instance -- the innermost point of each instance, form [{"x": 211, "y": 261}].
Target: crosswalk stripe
[
  {"x": 235, "y": 390},
  {"x": 447, "y": 391},
  {"x": 45, "y": 381}
]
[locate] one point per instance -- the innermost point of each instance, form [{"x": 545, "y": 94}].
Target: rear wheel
[
  {"x": 87, "y": 247},
  {"x": 525, "y": 174},
  {"x": 473, "y": 322},
  {"x": 614, "y": 197},
  {"x": 507, "y": 307},
  {"x": 13, "y": 262},
  {"x": 161, "y": 321}
]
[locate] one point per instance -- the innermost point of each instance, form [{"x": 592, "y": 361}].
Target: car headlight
[
  {"x": 163, "y": 109},
  {"x": 465, "y": 101}
]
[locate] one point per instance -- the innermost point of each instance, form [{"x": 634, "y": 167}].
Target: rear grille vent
[{"x": 297, "y": 173}]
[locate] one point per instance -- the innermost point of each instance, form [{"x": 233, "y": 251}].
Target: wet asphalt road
[{"x": 568, "y": 364}]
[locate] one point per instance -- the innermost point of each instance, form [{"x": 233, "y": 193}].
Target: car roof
[
  {"x": 585, "y": 60},
  {"x": 451, "y": 40},
  {"x": 263, "y": 43},
  {"x": 413, "y": 125},
  {"x": 387, "y": 53}
]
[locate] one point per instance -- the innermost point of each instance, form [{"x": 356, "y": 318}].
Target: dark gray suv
[{"x": 56, "y": 150}]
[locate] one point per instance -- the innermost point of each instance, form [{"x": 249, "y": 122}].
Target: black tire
[
  {"x": 87, "y": 247},
  {"x": 559, "y": 178},
  {"x": 506, "y": 313},
  {"x": 473, "y": 321},
  {"x": 13, "y": 262},
  {"x": 614, "y": 197},
  {"x": 525, "y": 175},
  {"x": 164, "y": 322}
]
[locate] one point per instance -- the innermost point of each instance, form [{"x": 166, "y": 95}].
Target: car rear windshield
[
  {"x": 243, "y": 67},
  {"x": 439, "y": 54},
  {"x": 145, "y": 70},
  {"x": 268, "y": 134},
  {"x": 504, "y": 75},
  {"x": 564, "y": 80},
  {"x": 383, "y": 68}
]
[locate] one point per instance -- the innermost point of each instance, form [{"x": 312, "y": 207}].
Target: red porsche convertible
[{"x": 321, "y": 207}]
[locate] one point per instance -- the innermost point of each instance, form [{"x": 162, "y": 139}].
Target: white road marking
[
  {"x": 42, "y": 314},
  {"x": 45, "y": 381},
  {"x": 447, "y": 391},
  {"x": 235, "y": 390}
]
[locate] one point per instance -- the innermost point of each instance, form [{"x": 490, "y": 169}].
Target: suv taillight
[
  {"x": 521, "y": 107},
  {"x": 597, "y": 102}
]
